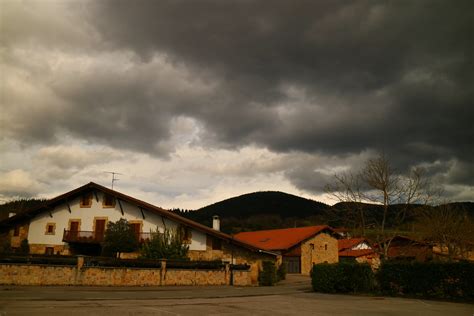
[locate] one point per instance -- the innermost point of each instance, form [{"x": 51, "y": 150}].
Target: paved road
[{"x": 293, "y": 297}]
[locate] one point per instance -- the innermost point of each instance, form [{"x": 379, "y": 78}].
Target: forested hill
[
  {"x": 261, "y": 210},
  {"x": 270, "y": 209},
  {"x": 18, "y": 206},
  {"x": 267, "y": 202}
]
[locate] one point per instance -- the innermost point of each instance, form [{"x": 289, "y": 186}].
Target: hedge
[
  {"x": 445, "y": 280},
  {"x": 268, "y": 275},
  {"x": 342, "y": 278},
  {"x": 439, "y": 280}
]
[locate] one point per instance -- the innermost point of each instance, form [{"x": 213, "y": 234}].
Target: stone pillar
[
  {"x": 228, "y": 274},
  {"x": 163, "y": 272}
]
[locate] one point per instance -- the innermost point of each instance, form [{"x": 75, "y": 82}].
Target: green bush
[
  {"x": 166, "y": 245},
  {"x": 119, "y": 237},
  {"x": 267, "y": 275},
  {"x": 445, "y": 280},
  {"x": 281, "y": 272},
  {"x": 342, "y": 278}
]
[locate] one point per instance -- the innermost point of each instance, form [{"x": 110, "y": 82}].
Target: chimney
[
  {"x": 216, "y": 223},
  {"x": 11, "y": 214}
]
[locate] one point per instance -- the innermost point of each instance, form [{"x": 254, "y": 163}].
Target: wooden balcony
[{"x": 91, "y": 237}]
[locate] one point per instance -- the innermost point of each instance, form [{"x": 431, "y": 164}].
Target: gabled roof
[
  {"x": 90, "y": 187},
  {"x": 281, "y": 239},
  {"x": 349, "y": 243}
]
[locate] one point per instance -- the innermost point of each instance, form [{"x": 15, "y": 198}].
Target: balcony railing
[{"x": 92, "y": 237}]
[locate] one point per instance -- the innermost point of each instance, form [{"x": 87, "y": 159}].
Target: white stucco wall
[
  {"x": 61, "y": 216},
  {"x": 362, "y": 245}
]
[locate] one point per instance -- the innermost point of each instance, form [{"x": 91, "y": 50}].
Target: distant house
[
  {"x": 358, "y": 250},
  {"x": 76, "y": 222},
  {"x": 300, "y": 247},
  {"x": 406, "y": 248},
  {"x": 465, "y": 252},
  {"x": 343, "y": 232}
]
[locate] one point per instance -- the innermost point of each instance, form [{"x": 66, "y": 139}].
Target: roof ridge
[
  {"x": 153, "y": 208},
  {"x": 289, "y": 228}
]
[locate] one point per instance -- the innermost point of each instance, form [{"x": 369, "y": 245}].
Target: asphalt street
[{"x": 292, "y": 297}]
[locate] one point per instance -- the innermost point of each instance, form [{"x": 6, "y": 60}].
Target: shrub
[
  {"x": 119, "y": 237},
  {"x": 281, "y": 272},
  {"x": 166, "y": 245},
  {"x": 446, "y": 280},
  {"x": 267, "y": 275},
  {"x": 25, "y": 247},
  {"x": 342, "y": 278},
  {"x": 5, "y": 246}
]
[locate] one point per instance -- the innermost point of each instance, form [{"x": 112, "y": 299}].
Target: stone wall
[
  {"x": 16, "y": 240},
  {"x": 319, "y": 249},
  {"x": 236, "y": 255},
  {"x": 35, "y": 274},
  {"x": 228, "y": 252},
  {"x": 373, "y": 260},
  {"x": 40, "y": 249}
]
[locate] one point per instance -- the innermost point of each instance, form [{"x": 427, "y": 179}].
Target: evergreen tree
[{"x": 119, "y": 237}]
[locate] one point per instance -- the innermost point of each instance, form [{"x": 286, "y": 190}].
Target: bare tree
[
  {"x": 347, "y": 188},
  {"x": 380, "y": 184},
  {"x": 452, "y": 230}
]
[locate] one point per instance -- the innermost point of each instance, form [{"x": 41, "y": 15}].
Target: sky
[{"x": 197, "y": 101}]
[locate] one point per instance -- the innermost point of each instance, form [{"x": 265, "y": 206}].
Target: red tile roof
[
  {"x": 349, "y": 243},
  {"x": 280, "y": 239},
  {"x": 356, "y": 253}
]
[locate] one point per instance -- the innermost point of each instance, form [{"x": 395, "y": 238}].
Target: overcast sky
[{"x": 197, "y": 101}]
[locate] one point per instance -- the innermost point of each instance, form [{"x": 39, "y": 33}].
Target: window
[
  {"x": 16, "y": 231},
  {"x": 311, "y": 246},
  {"x": 86, "y": 200},
  {"x": 50, "y": 229},
  {"x": 109, "y": 201},
  {"x": 216, "y": 244},
  {"x": 49, "y": 251},
  {"x": 325, "y": 246}
]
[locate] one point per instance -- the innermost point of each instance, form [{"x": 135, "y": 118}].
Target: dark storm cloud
[
  {"x": 320, "y": 77},
  {"x": 393, "y": 76}
]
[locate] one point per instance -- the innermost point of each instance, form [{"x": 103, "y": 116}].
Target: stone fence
[{"x": 42, "y": 274}]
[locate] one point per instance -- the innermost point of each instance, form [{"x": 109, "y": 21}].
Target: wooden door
[
  {"x": 136, "y": 229},
  {"x": 293, "y": 264},
  {"x": 99, "y": 229},
  {"x": 73, "y": 229}
]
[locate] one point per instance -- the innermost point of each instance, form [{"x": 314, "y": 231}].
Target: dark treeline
[
  {"x": 270, "y": 210},
  {"x": 19, "y": 206}
]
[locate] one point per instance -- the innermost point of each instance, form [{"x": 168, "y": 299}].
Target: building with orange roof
[
  {"x": 358, "y": 250},
  {"x": 300, "y": 247}
]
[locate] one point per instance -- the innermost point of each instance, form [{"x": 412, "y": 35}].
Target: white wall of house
[
  {"x": 362, "y": 245},
  {"x": 86, "y": 215}
]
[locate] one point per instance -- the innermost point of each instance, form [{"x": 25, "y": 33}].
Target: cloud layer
[{"x": 320, "y": 86}]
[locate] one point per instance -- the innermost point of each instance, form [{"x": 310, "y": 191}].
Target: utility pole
[{"x": 113, "y": 177}]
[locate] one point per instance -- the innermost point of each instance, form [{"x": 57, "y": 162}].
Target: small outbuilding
[
  {"x": 300, "y": 247},
  {"x": 358, "y": 250}
]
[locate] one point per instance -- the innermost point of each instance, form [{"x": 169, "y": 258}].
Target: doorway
[
  {"x": 293, "y": 264},
  {"x": 99, "y": 229}
]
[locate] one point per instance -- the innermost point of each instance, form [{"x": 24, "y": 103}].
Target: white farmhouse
[{"x": 75, "y": 223}]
